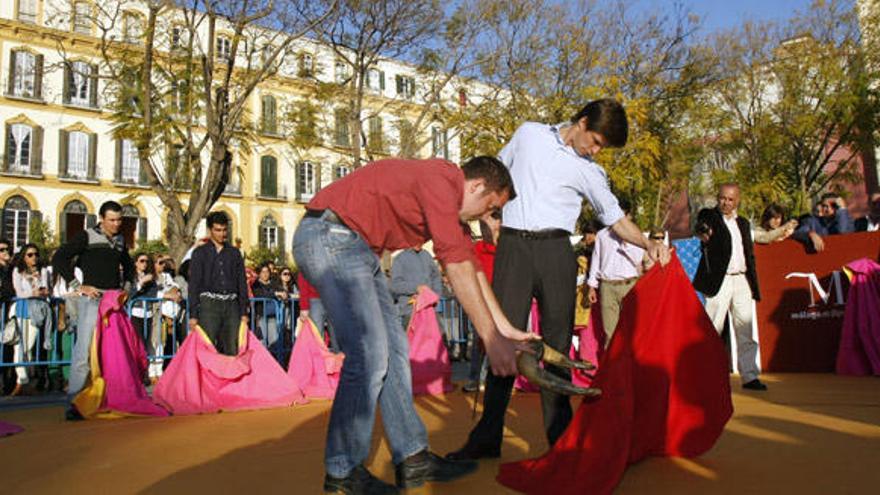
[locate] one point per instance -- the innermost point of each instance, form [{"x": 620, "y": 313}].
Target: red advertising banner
[{"x": 803, "y": 295}]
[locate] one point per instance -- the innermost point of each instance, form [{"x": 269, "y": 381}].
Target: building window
[
  {"x": 81, "y": 84},
  {"x": 405, "y": 85},
  {"x": 375, "y": 139},
  {"x": 341, "y": 171},
  {"x": 268, "y": 232},
  {"x": 132, "y": 27},
  {"x": 179, "y": 38},
  {"x": 129, "y": 163},
  {"x": 77, "y": 155},
  {"x": 375, "y": 80},
  {"x": 179, "y": 96},
  {"x": 308, "y": 180},
  {"x": 19, "y": 148},
  {"x": 224, "y": 48},
  {"x": 73, "y": 219},
  {"x": 82, "y": 18},
  {"x": 342, "y": 137},
  {"x": 269, "y": 115},
  {"x": 342, "y": 72},
  {"x": 16, "y": 216},
  {"x": 269, "y": 177},
  {"x": 27, "y": 11},
  {"x": 439, "y": 143},
  {"x": 306, "y": 65},
  {"x": 26, "y": 74}
]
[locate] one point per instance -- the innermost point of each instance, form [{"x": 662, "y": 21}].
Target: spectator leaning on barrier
[
  {"x": 267, "y": 311},
  {"x": 771, "y": 228},
  {"x": 871, "y": 221},
  {"x": 728, "y": 278},
  {"x": 413, "y": 268},
  {"x": 31, "y": 281},
  {"x": 218, "y": 292},
  {"x": 101, "y": 254},
  {"x": 831, "y": 218}
]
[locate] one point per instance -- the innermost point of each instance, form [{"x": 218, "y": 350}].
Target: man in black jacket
[
  {"x": 727, "y": 277},
  {"x": 101, "y": 254}
]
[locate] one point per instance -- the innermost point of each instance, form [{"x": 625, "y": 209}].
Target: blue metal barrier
[
  {"x": 156, "y": 320},
  {"x": 455, "y": 324},
  {"x": 35, "y": 346}
]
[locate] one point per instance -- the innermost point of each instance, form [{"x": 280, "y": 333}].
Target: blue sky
[{"x": 723, "y": 14}]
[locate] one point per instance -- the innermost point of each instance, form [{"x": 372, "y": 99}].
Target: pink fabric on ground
[
  {"x": 859, "y": 351},
  {"x": 7, "y": 429},
  {"x": 201, "y": 380},
  {"x": 522, "y": 383},
  {"x": 123, "y": 361},
  {"x": 431, "y": 369},
  {"x": 312, "y": 365}
]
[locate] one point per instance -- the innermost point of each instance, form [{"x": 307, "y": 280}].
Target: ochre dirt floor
[{"x": 810, "y": 434}]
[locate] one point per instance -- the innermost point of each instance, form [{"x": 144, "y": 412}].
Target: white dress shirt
[
  {"x": 737, "y": 262},
  {"x": 551, "y": 181},
  {"x": 614, "y": 259}
]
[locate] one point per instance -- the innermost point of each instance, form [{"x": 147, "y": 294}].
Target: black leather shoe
[
  {"x": 755, "y": 385},
  {"x": 359, "y": 481},
  {"x": 416, "y": 469},
  {"x": 73, "y": 415},
  {"x": 473, "y": 452}
]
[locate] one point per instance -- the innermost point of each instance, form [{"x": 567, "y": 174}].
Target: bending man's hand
[
  {"x": 517, "y": 335},
  {"x": 502, "y": 356}
]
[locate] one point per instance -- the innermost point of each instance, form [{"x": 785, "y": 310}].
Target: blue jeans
[
  {"x": 86, "y": 319},
  {"x": 355, "y": 293},
  {"x": 318, "y": 314}
]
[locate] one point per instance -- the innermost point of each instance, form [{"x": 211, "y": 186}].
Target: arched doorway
[
  {"x": 134, "y": 226},
  {"x": 73, "y": 219}
]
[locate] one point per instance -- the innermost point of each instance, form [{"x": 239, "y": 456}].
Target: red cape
[{"x": 665, "y": 391}]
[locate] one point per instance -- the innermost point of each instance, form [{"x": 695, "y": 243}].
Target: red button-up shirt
[{"x": 397, "y": 203}]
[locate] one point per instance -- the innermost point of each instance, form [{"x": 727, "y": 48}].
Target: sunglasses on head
[
  {"x": 142, "y": 260},
  {"x": 285, "y": 274}
]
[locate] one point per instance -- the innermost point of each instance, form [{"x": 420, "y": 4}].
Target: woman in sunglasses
[{"x": 30, "y": 278}]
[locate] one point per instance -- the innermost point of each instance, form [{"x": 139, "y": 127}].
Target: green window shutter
[
  {"x": 10, "y": 88},
  {"x": 93, "y": 86},
  {"x": 317, "y": 177},
  {"x": 37, "y": 150},
  {"x": 382, "y": 80},
  {"x": 62, "y": 153},
  {"x": 38, "y": 77},
  {"x": 68, "y": 79},
  {"x": 117, "y": 169},
  {"x": 9, "y": 150},
  {"x": 93, "y": 156}
]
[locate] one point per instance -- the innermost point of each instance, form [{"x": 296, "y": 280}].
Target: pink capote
[
  {"x": 522, "y": 383},
  {"x": 590, "y": 339},
  {"x": 431, "y": 369},
  {"x": 665, "y": 391},
  {"x": 859, "y": 352},
  {"x": 7, "y": 429},
  {"x": 312, "y": 365},
  {"x": 118, "y": 363},
  {"x": 201, "y": 380}
]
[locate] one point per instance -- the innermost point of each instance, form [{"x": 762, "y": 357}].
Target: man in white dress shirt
[
  {"x": 553, "y": 172},
  {"x": 615, "y": 268}
]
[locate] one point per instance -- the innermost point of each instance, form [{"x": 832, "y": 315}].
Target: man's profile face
[
  {"x": 728, "y": 200},
  {"x": 586, "y": 142},
  {"x": 219, "y": 232},
  {"x": 478, "y": 202},
  {"x": 826, "y": 207},
  {"x": 111, "y": 221}
]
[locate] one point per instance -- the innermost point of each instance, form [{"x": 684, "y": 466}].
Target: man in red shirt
[{"x": 387, "y": 205}]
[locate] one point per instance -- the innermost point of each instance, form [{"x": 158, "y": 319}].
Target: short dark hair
[
  {"x": 773, "y": 210},
  {"x": 109, "y": 206},
  {"x": 491, "y": 170},
  {"x": 608, "y": 118},
  {"x": 6, "y": 241},
  {"x": 625, "y": 205},
  {"x": 216, "y": 218},
  {"x": 829, "y": 195}
]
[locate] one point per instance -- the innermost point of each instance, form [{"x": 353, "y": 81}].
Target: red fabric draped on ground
[
  {"x": 200, "y": 380},
  {"x": 859, "y": 352},
  {"x": 665, "y": 391},
  {"x": 431, "y": 369},
  {"x": 312, "y": 366}
]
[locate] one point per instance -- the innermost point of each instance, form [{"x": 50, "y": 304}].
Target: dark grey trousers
[{"x": 221, "y": 321}]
